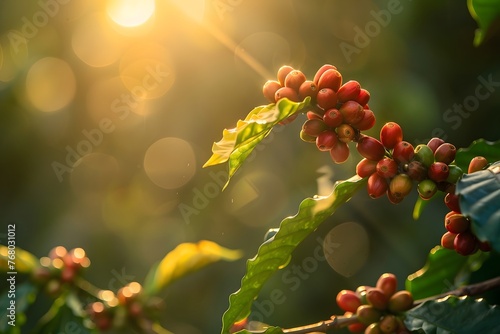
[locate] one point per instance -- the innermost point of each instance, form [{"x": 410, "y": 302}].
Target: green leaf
[
  {"x": 21, "y": 261},
  {"x": 183, "y": 260},
  {"x": 480, "y": 147},
  {"x": 275, "y": 253},
  {"x": 480, "y": 201},
  {"x": 485, "y": 12},
  {"x": 66, "y": 315},
  {"x": 444, "y": 270},
  {"x": 268, "y": 330},
  {"x": 23, "y": 297},
  {"x": 452, "y": 314},
  {"x": 237, "y": 143}
]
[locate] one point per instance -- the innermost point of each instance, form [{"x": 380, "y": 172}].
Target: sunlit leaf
[
  {"x": 185, "y": 259},
  {"x": 238, "y": 143},
  {"x": 444, "y": 270},
  {"x": 21, "y": 261},
  {"x": 480, "y": 201},
  {"x": 485, "y": 12},
  {"x": 489, "y": 150},
  {"x": 275, "y": 253},
  {"x": 23, "y": 296},
  {"x": 268, "y": 330},
  {"x": 452, "y": 314}
]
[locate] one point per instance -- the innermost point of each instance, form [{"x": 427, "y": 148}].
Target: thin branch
[{"x": 337, "y": 322}]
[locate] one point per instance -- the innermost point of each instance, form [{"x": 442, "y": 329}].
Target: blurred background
[{"x": 108, "y": 110}]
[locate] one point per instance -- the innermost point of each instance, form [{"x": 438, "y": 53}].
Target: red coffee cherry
[
  {"x": 377, "y": 186},
  {"x": 452, "y": 202},
  {"x": 333, "y": 118},
  {"x": 466, "y": 243},
  {"x": 340, "y": 152},
  {"x": 352, "y": 112},
  {"x": 388, "y": 283},
  {"x": 313, "y": 127},
  {"x": 387, "y": 167},
  {"x": 286, "y": 92},
  {"x": 477, "y": 164},
  {"x": 363, "y": 97},
  {"x": 283, "y": 72},
  {"x": 427, "y": 189},
  {"x": 434, "y": 143},
  {"x": 308, "y": 88},
  {"x": 313, "y": 115},
  {"x": 403, "y": 152},
  {"x": 448, "y": 240},
  {"x": 348, "y": 301},
  {"x": 326, "y": 98},
  {"x": 484, "y": 246},
  {"x": 377, "y": 298},
  {"x": 391, "y": 134},
  {"x": 269, "y": 90},
  {"x": 307, "y": 138},
  {"x": 400, "y": 186},
  {"x": 438, "y": 171},
  {"x": 456, "y": 223},
  {"x": 326, "y": 140},
  {"x": 367, "y": 122},
  {"x": 370, "y": 148},
  {"x": 331, "y": 78},
  {"x": 445, "y": 153},
  {"x": 401, "y": 301},
  {"x": 349, "y": 91},
  {"x": 322, "y": 70},
  {"x": 366, "y": 167},
  {"x": 346, "y": 133},
  {"x": 295, "y": 79}
]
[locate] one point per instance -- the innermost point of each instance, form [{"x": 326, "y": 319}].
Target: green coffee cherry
[
  {"x": 427, "y": 188},
  {"x": 424, "y": 154},
  {"x": 455, "y": 174}
]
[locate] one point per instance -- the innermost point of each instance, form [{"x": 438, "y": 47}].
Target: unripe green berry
[
  {"x": 454, "y": 174},
  {"x": 306, "y": 137},
  {"x": 426, "y": 189},
  {"x": 424, "y": 154}
]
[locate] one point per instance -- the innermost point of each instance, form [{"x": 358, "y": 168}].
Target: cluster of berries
[
  {"x": 127, "y": 307},
  {"x": 338, "y": 111},
  {"x": 61, "y": 267},
  {"x": 392, "y": 164},
  {"x": 378, "y": 309},
  {"x": 459, "y": 236}
]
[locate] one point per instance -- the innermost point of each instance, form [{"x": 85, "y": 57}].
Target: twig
[{"x": 337, "y": 322}]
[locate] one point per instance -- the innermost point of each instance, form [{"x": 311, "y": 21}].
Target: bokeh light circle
[
  {"x": 94, "y": 42},
  {"x": 346, "y": 248},
  {"x": 170, "y": 162},
  {"x": 130, "y": 13},
  {"x": 50, "y": 84}
]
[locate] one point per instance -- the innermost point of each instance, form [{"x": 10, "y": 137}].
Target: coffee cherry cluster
[
  {"x": 459, "y": 236},
  {"x": 378, "y": 309},
  {"x": 392, "y": 165},
  {"x": 338, "y": 111},
  {"x": 61, "y": 267}
]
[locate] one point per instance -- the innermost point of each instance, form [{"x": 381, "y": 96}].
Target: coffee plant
[{"x": 336, "y": 115}]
